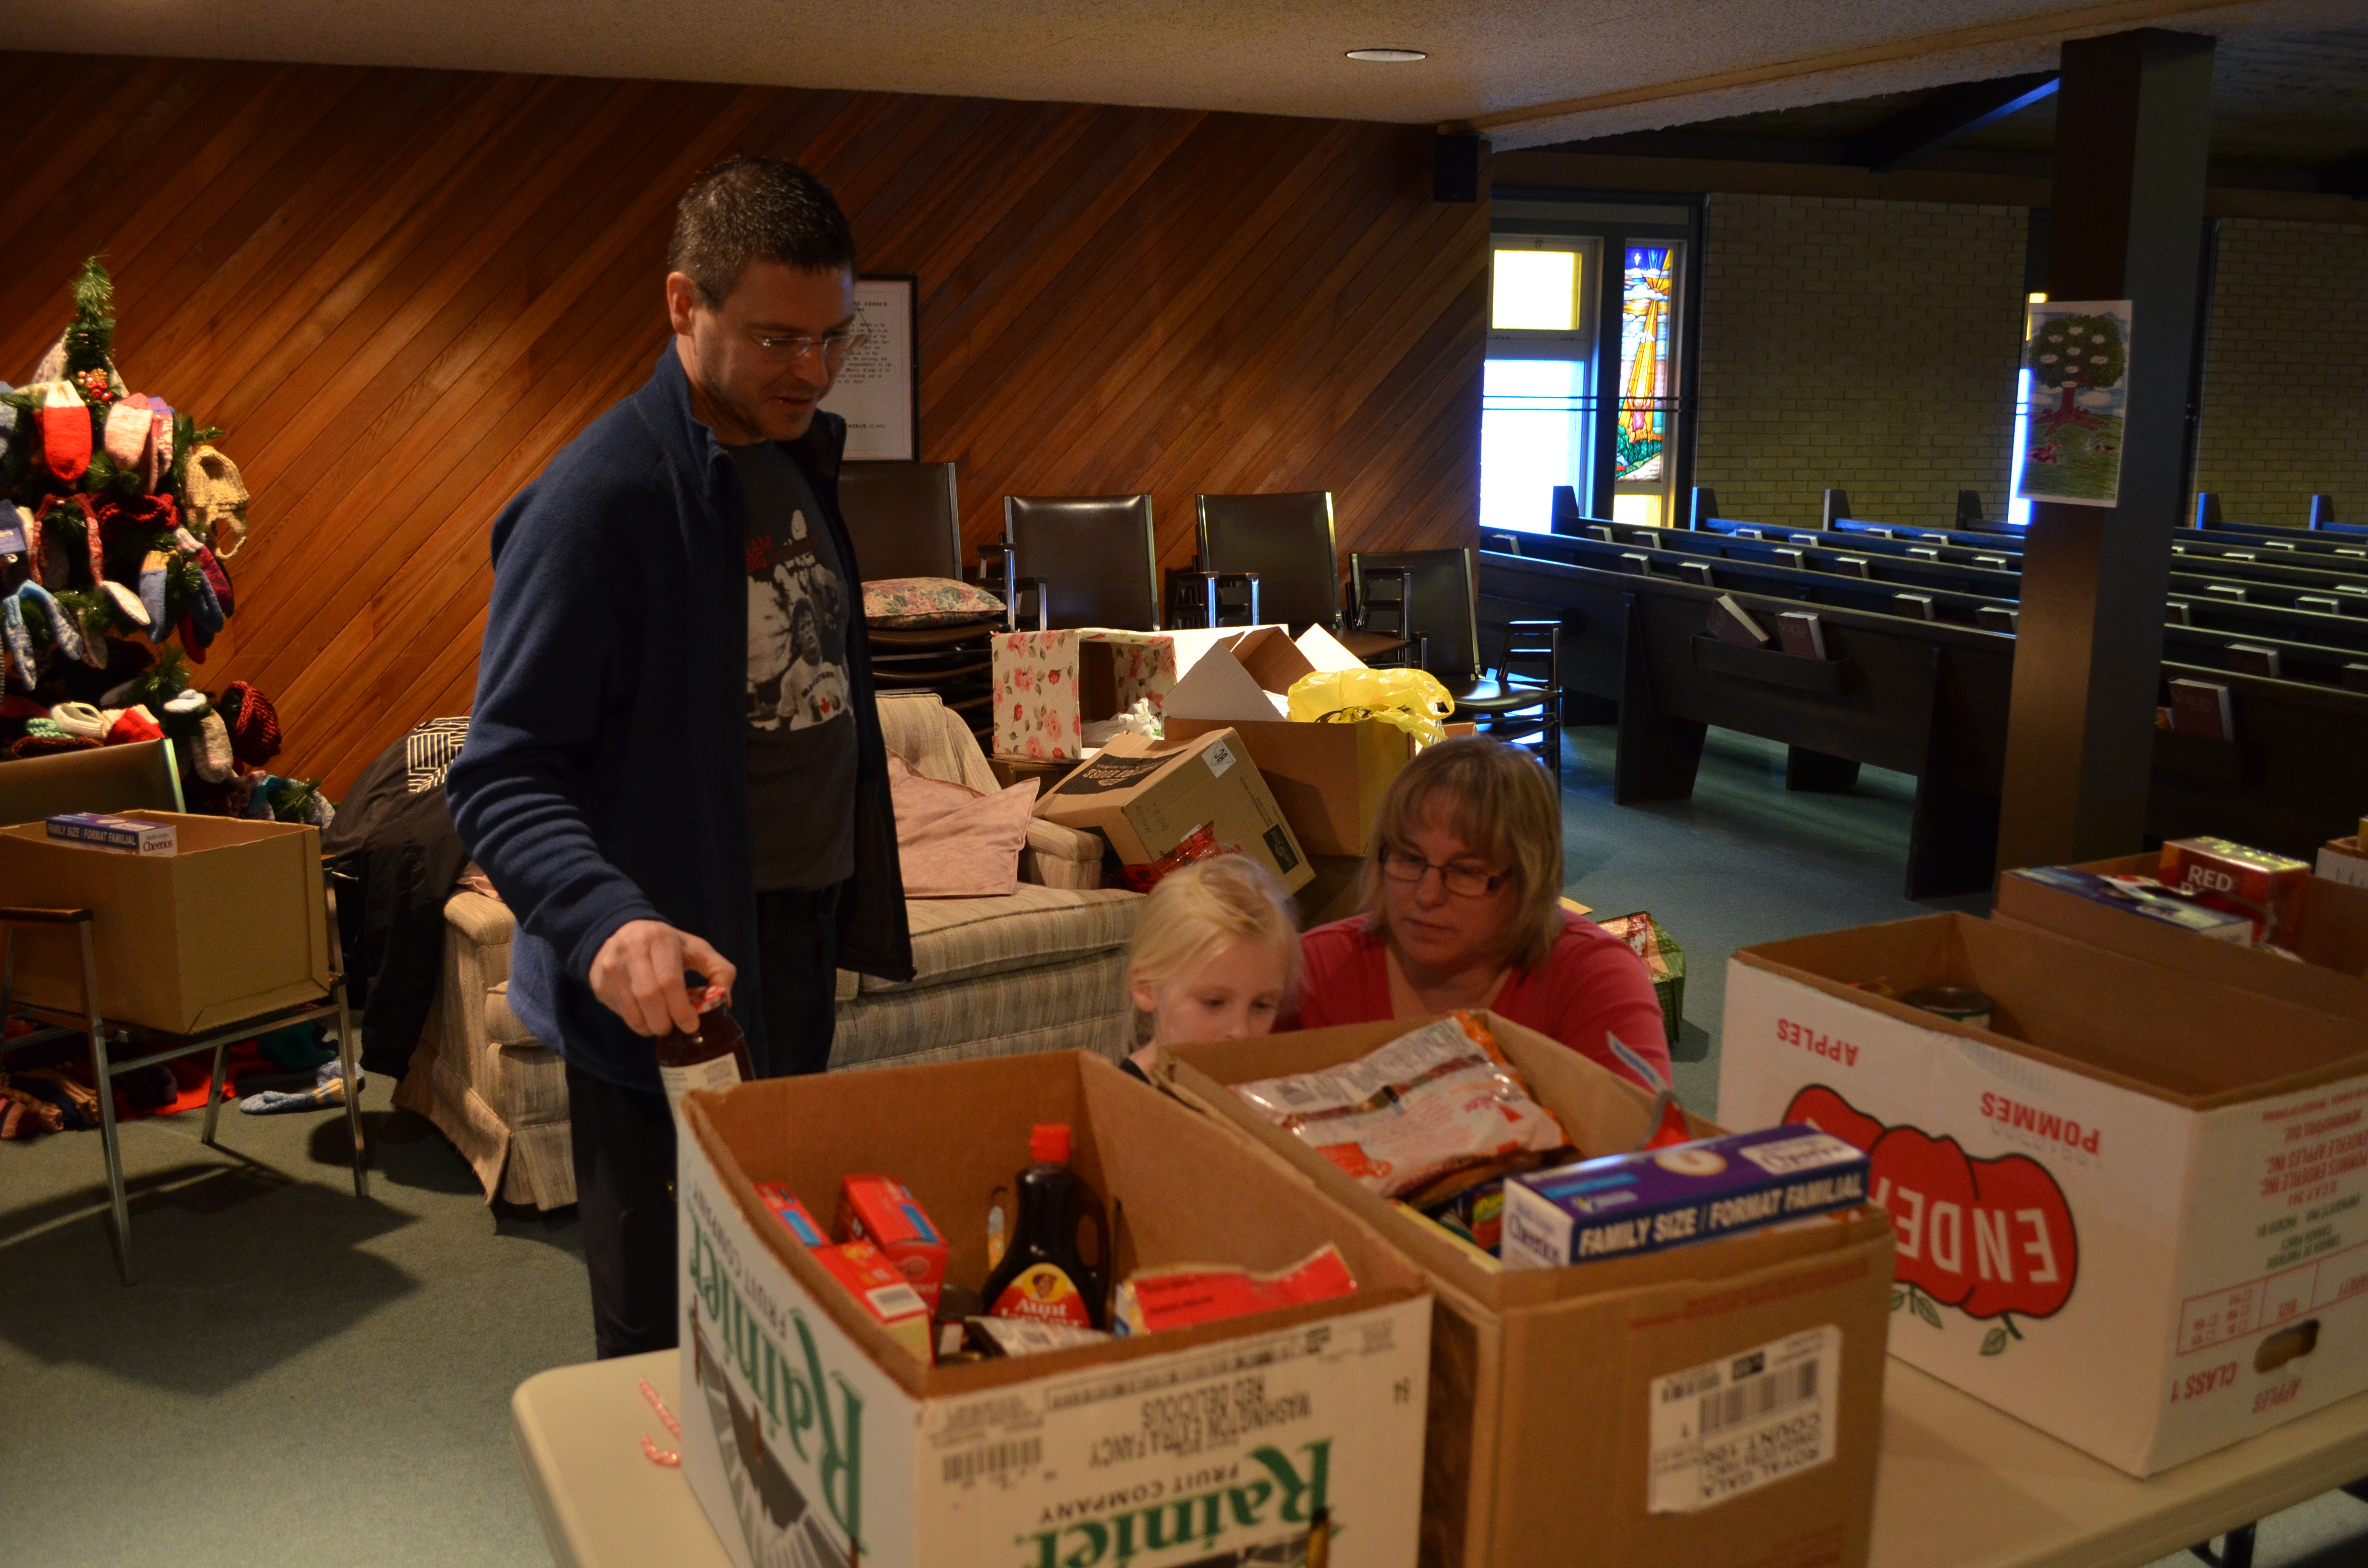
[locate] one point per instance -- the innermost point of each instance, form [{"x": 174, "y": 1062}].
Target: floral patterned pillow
[{"x": 927, "y": 601}]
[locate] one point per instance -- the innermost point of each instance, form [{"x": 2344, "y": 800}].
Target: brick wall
[
  {"x": 2286, "y": 382},
  {"x": 1869, "y": 345}
]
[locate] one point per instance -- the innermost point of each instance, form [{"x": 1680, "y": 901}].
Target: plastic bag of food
[
  {"x": 1411, "y": 699},
  {"x": 1439, "y": 1102},
  {"x": 1184, "y": 1297}
]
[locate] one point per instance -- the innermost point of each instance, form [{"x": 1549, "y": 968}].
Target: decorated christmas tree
[{"x": 117, "y": 521}]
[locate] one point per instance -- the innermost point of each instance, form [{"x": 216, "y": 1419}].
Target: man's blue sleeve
[{"x": 518, "y": 788}]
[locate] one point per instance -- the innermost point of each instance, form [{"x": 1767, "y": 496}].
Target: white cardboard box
[
  {"x": 2138, "y": 1227},
  {"x": 2340, "y": 861},
  {"x": 806, "y": 1429}
]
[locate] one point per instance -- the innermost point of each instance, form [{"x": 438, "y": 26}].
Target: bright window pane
[
  {"x": 1533, "y": 420},
  {"x": 1536, "y": 290},
  {"x": 1644, "y": 289},
  {"x": 1637, "y": 511}
]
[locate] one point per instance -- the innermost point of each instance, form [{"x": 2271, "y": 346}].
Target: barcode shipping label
[{"x": 1743, "y": 1422}]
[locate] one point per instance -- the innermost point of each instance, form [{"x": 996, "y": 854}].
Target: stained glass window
[{"x": 1645, "y": 386}]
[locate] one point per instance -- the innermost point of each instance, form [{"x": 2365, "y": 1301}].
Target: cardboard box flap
[
  {"x": 1323, "y": 652},
  {"x": 2112, "y": 1020},
  {"x": 969, "y": 1137},
  {"x": 1220, "y": 686}
]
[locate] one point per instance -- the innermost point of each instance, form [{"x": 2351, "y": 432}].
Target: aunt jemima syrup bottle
[
  {"x": 716, "y": 1057},
  {"x": 1044, "y": 1277}
]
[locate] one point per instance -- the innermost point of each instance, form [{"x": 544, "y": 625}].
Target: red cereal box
[
  {"x": 881, "y": 1285},
  {"x": 884, "y": 1212},
  {"x": 2266, "y": 889}
]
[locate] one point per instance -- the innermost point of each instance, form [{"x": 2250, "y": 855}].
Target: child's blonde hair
[{"x": 1208, "y": 904}]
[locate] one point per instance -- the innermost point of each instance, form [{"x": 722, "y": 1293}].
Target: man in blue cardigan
[{"x": 673, "y": 763}]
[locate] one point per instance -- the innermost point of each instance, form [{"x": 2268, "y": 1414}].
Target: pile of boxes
[{"x": 1291, "y": 794}]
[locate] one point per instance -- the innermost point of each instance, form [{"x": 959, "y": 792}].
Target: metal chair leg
[
  {"x": 110, "y": 1142},
  {"x": 214, "y": 1093},
  {"x": 346, "y": 1052}
]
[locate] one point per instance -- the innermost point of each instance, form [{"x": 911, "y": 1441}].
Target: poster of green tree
[{"x": 2078, "y": 352}]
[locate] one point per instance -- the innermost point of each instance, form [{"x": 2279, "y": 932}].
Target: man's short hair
[{"x": 754, "y": 209}]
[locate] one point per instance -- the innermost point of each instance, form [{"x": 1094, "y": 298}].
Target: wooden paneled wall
[{"x": 399, "y": 292}]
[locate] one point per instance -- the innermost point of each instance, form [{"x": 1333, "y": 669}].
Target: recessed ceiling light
[{"x": 1389, "y": 56}]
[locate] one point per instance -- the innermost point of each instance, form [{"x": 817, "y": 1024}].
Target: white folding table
[{"x": 1961, "y": 1484}]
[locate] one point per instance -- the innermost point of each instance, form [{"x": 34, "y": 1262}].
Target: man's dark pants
[{"x": 624, "y": 1138}]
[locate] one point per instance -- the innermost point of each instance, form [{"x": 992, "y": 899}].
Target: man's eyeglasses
[
  {"x": 1460, "y": 878},
  {"x": 833, "y": 346}
]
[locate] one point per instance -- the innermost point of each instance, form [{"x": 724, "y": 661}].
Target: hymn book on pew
[
  {"x": 2203, "y": 708},
  {"x": 1804, "y": 633}
]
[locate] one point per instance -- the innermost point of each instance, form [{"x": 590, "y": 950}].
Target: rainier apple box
[
  {"x": 813, "y": 1440},
  {"x": 2129, "y": 1213}
]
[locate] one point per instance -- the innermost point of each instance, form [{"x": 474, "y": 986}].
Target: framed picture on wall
[{"x": 878, "y": 390}]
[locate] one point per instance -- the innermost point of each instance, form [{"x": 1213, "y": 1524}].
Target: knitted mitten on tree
[{"x": 65, "y": 433}]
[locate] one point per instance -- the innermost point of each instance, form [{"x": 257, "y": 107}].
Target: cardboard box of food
[
  {"x": 2129, "y": 1212},
  {"x": 1050, "y": 685},
  {"x": 1557, "y": 1395},
  {"x": 1146, "y": 797},
  {"x": 232, "y": 925},
  {"x": 2332, "y": 940},
  {"x": 810, "y": 1435},
  {"x": 1328, "y": 779},
  {"x": 2343, "y": 860}
]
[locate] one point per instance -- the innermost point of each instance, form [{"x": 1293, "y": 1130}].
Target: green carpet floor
[{"x": 302, "y": 1378}]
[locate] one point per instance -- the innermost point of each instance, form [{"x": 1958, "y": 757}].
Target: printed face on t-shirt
[{"x": 796, "y": 610}]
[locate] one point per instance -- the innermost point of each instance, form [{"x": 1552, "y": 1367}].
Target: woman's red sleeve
[{"x": 1593, "y": 985}]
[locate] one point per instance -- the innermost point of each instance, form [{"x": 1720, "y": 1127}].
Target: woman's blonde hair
[
  {"x": 1499, "y": 802},
  {"x": 1200, "y": 908}
]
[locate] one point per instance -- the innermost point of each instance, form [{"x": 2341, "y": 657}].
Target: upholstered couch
[{"x": 1042, "y": 968}]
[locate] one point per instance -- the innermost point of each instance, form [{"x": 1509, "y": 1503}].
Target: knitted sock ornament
[
  {"x": 93, "y": 641},
  {"x": 65, "y": 630},
  {"x": 65, "y": 433},
  {"x": 79, "y": 718},
  {"x": 195, "y": 638},
  {"x": 134, "y": 724},
  {"x": 159, "y": 443},
  {"x": 185, "y": 702},
  {"x": 216, "y": 578},
  {"x": 254, "y": 723},
  {"x": 15, "y": 557},
  {"x": 214, "y": 761},
  {"x": 49, "y": 745},
  {"x": 206, "y": 610},
  {"x": 152, "y": 593},
  {"x": 24, "y": 659},
  {"x": 128, "y": 425},
  {"x": 53, "y": 537},
  {"x": 126, "y": 603}
]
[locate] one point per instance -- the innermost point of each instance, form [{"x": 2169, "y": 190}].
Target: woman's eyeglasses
[
  {"x": 1463, "y": 879},
  {"x": 833, "y": 346}
]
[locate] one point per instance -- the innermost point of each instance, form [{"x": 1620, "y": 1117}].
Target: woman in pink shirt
[{"x": 1462, "y": 896}]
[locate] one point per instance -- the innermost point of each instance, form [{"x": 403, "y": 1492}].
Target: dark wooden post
[{"x": 2132, "y": 130}]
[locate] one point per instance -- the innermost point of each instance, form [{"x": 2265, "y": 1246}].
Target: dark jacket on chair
[{"x": 605, "y": 776}]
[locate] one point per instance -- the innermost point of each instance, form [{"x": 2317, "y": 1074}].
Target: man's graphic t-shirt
[{"x": 801, "y": 740}]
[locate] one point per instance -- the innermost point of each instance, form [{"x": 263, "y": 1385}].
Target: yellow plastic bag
[{"x": 1411, "y": 699}]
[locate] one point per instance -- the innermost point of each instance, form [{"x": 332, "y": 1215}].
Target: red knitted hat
[{"x": 254, "y": 723}]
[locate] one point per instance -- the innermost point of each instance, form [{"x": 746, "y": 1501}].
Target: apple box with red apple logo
[{"x": 2136, "y": 1220}]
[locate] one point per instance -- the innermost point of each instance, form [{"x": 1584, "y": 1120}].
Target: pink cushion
[
  {"x": 954, "y": 842},
  {"x": 927, "y": 601}
]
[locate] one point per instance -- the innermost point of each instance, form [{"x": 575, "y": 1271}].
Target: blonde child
[{"x": 1216, "y": 956}]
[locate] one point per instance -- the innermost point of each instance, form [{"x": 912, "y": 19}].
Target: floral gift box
[{"x": 1049, "y": 685}]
